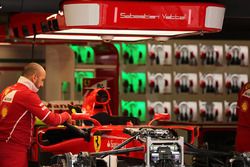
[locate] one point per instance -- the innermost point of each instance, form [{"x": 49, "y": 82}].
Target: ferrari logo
[
  {"x": 97, "y": 143},
  {"x": 244, "y": 106},
  {"x": 4, "y": 112},
  {"x": 73, "y": 110},
  {"x": 86, "y": 82}
]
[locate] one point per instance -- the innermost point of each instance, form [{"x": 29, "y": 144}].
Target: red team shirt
[
  {"x": 243, "y": 129},
  {"x": 19, "y": 105}
]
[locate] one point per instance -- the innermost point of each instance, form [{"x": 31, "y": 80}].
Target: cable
[
  {"x": 209, "y": 155},
  {"x": 120, "y": 151},
  {"x": 33, "y": 46}
]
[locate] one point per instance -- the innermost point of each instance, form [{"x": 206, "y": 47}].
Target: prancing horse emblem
[{"x": 97, "y": 143}]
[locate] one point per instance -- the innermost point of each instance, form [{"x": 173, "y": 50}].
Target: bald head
[
  {"x": 35, "y": 73},
  {"x": 31, "y": 69}
]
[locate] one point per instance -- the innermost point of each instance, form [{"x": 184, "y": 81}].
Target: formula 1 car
[{"x": 98, "y": 135}]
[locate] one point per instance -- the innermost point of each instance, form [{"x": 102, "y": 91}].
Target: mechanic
[
  {"x": 19, "y": 105},
  {"x": 243, "y": 127}
]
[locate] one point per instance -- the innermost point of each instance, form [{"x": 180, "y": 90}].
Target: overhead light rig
[{"x": 112, "y": 20}]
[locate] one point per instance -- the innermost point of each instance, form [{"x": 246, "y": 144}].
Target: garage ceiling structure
[{"x": 236, "y": 23}]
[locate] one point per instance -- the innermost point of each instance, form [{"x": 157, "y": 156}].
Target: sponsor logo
[
  {"x": 247, "y": 93},
  {"x": 244, "y": 106},
  {"x": 4, "y": 112},
  {"x": 9, "y": 97},
  {"x": 44, "y": 108}
]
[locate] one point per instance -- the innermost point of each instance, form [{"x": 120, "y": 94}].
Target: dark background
[{"x": 236, "y": 24}]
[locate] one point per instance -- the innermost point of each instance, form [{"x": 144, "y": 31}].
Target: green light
[
  {"x": 134, "y": 82},
  {"x": 118, "y": 47},
  {"x": 79, "y": 76},
  {"x": 86, "y": 53},
  {"x": 65, "y": 87},
  {"x": 134, "y": 109},
  {"x": 136, "y": 53},
  {"x": 75, "y": 48}
]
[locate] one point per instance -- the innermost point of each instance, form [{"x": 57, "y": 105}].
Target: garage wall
[
  {"x": 12, "y": 60},
  {"x": 60, "y": 68}
]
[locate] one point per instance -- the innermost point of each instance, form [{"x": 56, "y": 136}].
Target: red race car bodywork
[
  {"x": 93, "y": 137},
  {"x": 102, "y": 138}
]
